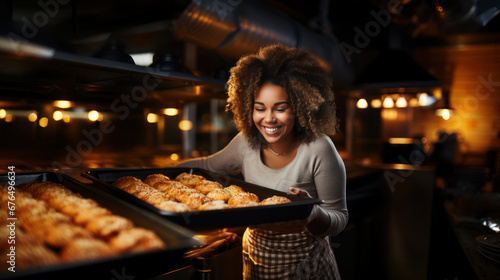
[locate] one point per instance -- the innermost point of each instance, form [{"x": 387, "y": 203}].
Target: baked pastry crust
[
  {"x": 152, "y": 179},
  {"x": 195, "y": 200},
  {"x": 234, "y": 190},
  {"x": 146, "y": 190},
  {"x": 124, "y": 181},
  {"x": 207, "y": 186},
  {"x": 181, "y": 193},
  {"x": 155, "y": 197},
  {"x": 190, "y": 180},
  {"x": 36, "y": 255},
  {"x": 86, "y": 249},
  {"x": 62, "y": 234},
  {"x": 242, "y": 199},
  {"x": 88, "y": 215},
  {"x": 108, "y": 226},
  {"x": 136, "y": 240},
  {"x": 166, "y": 185},
  {"x": 173, "y": 206},
  {"x": 135, "y": 187},
  {"x": 275, "y": 199},
  {"x": 219, "y": 194},
  {"x": 77, "y": 205},
  {"x": 214, "y": 205}
]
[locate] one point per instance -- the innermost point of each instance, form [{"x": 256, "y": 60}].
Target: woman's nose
[{"x": 269, "y": 117}]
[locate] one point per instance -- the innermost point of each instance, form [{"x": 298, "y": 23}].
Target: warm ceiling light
[
  {"x": 444, "y": 113},
  {"x": 388, "y": 102},
  {"x": 185, "y": 125},
  {"x": 401, "y": 102},
  {"x": 32, "y": 117},
  {"x": 93, "y": 115},
  {"x": 414, "y": 102},
  {"x": 66, "y": 118},
  {"x": 43, "y": 122},
  {"x": 9, "y": 118},
  {"x": 423, "y": 99},
  {"x": 3, "y": 113},
  {"x": 171, "y": 111},
  {"x": 362, "y": 104},
  {"x": 437, "y": 93},
  {"x": 63, "y": 104},
  {"x": 376, "y": 103},
  {"x": 397, "y": 140},
  {"x": 174, "y": 157},
  {"x": 152, "y": 118},
  {"x": 58, "y": 115},
  {"x": 197, "y": 90}
]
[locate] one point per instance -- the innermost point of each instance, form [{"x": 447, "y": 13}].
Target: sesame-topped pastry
[
  {"x": 134, "y": 187},
  {"x": 214, "y": 205},
  {"x": 173, "y": 206},
  {"x": 136, "y": 240},
  {"x": 219, "y": 194},
  {"x": 124, "y": 181},
  {"x": 275, "y": 199},
  {"x": 195, "y": 200},
  {"x": 207, "y": 186},
  {"x": 108, "y": 226},
  {"x": 234, "y": 190},
  {"x": 86, "y": 249},
  {"x": 166, "y": 185},
  {"x": 190, "y": 180},
  {"x": 152, "y": 179},
  {"x": 243, "y": 198}
]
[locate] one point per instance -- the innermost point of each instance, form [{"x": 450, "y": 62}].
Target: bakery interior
[{"x": 107, "y": 86}]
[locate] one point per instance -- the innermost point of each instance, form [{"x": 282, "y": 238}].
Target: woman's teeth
[{"x": 270, "y": 129}]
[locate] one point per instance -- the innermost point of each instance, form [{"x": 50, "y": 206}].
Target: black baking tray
[
  {"x": 300, "y": 207},
  {"x": 144, "y": 265}
]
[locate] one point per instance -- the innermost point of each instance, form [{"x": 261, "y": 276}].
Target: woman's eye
[
  {"x": 281, "y": 109},
  {"x": 260, "y": 109}
]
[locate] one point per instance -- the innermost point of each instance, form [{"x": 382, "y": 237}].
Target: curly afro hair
[{"x": 307, "y": 84}]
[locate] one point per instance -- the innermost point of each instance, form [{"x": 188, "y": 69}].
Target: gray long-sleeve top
[{"x": 316, "y": 168}]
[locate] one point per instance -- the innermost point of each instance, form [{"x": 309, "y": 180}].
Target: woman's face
[{"x": 273, "y": 115}]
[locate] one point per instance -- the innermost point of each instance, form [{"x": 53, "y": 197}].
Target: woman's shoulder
[
  {"x": 239, "y": 143},
  {"x": 322, "y": 148},
  {"x": 322, "y": 143}
]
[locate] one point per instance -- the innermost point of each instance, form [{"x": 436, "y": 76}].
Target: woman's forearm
[{"x": 320, "y": 221}]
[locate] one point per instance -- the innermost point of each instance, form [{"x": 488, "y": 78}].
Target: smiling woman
[{"x": 283, "y": 105}]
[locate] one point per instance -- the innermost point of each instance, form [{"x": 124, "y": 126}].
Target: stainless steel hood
[{"x": 30, "y": 71}]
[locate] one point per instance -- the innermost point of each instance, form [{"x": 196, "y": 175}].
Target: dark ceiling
[{"x": 81, "y": 24}]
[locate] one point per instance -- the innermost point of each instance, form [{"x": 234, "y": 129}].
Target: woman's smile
[{"x": 271, "y": 130}]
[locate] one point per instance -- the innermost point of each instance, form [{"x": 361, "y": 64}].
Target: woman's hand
[
  {"x": 299, "y": 192},
  {"x": 318, "y": 221}
]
